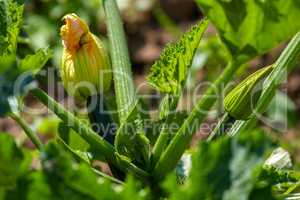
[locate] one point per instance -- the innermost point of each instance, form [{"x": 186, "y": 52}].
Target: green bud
[
  {"x": 85, "y": 68},
  {"x": 241, "y": 100}
]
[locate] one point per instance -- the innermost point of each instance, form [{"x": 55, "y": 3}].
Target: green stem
[
  {"x": 284, "y": 64},
  {"x": 82, "y": 129},
  {"x": 112, "y": 179},
  {"x": 169, "y": 104},
  {"x": 28, "y": 131},
  {"x": 219, "y": 129},
  {"x": 87, "y": 133},
  {"x": 123, "y": 81},
  {"x": 86, "y": 161},
  {"x": 179, "y": 143}
]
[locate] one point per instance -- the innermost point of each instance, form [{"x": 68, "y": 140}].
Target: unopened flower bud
[
  {"x": 240, "y": 101},
  {"x": 85, "y": 68}
]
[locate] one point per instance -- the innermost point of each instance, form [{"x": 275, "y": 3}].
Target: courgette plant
[{"x": 130, "y": 151}]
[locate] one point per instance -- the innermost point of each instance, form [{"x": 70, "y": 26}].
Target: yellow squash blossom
[{"x": 85, "y": 68}]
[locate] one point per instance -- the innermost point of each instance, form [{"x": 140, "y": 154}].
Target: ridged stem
[{"x": 123, "y": 81}]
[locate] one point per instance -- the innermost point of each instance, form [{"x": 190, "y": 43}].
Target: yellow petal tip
[{"x": 72, "y": 31}]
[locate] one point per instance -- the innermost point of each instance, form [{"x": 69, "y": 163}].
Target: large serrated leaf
[
  {"x": 169, "y": 73},
  {"x": 252, "y": 27}
]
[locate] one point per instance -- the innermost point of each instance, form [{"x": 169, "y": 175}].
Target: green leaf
[
  {"x": 169, "y": 73},
  {"x": 77, "y": 154},
  {"x": 3, "y": 28},
  {"x": 10, "y": 25},
  {"x": 252, "y": 27},
  {"x": 11, "y": 21},
  {"x": 224, "y": 169},
  {"x": 38, "y": 187},
  {"x": 70, "y": 180},
  {"x": 71, "y": 137},
  {"x": 11, "y": 71},
  {"x": 35, "y": 61},
  {"x": 245, "y": 166},
  {"x": 3, "y": 21},
  {"x": 76, "y": 142},
  {"x": 275, "y": 176},
  {"x": 132, "y": 189},
  {"x": 216, "y": 158},
  {"x": 61, "y": 177},
  {"x": 15, "y": 19},
  {"x": 278, "y": 182},
  {"x": 14, "y": 162}
]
